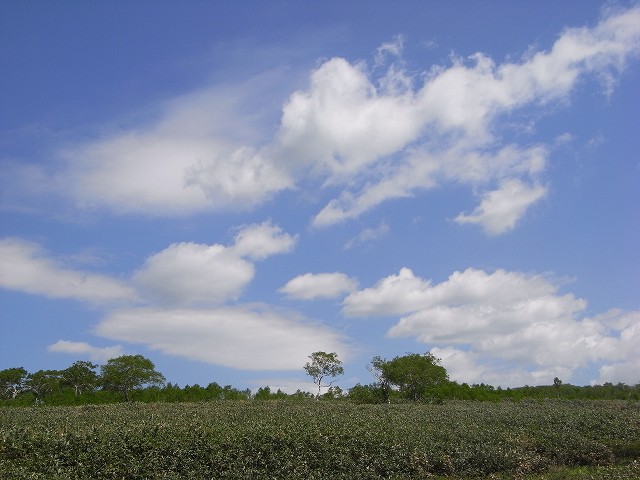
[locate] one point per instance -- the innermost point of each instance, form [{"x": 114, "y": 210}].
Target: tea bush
[{"x": 314, "y": 440}]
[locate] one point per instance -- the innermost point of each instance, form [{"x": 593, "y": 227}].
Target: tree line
[{"x": 412, "y": 377}]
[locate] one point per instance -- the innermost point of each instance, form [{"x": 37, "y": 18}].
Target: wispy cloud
[
  {"x": 368, "y": 235},
  {"x": 86, "y": 350},
  {"x": 26, "y": 267},
  {"x": 319, "y": 285}
]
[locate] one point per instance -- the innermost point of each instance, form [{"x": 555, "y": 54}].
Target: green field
[{"x": 322, "y": 440}]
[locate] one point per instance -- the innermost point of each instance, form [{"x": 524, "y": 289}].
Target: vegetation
[
  {"x": 321, "y": 440},
  {"x": 410, "y": 423},
  {"x": 123, "y": 374},
  {"x": 321, "y": 366},
  {"x": 413, "y": 377}
]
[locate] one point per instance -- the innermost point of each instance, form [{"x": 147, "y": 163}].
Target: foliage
[
  {"x": 321, "y": 440},
  {"x": 43, "y": 382},
  {"x": 414, "y": 375},
  {"x": 79, "y": 384},
  {"x": 124, "y": 373},
  {"x": 12, "y": 382},
  {"x": 323, "y": 365},
  {"x": 80, "y": 376}
]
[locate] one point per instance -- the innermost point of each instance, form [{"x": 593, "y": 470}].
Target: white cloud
[
  {"x": 373, "y": 134},
  {"x": 319, "y": 285},
  {"x": 262, "y": 240},
  {"x": 166, "y": 173},
  {"x": 500, "y": 209},
  {"x": 470, "y": 367},
  {"x": 368, "y": 235},
  {"x": 505, "y": 324},
  {"x": 346, "y": 127},
  {"x": 95, "y": 354},
  {"x": 341, "y": 124},
  {"x": 200, "y": 152},
  {"x": 250, "y": 338},
  {"x": 625, "y": 372},
  {"x": 190, "y": 273},
  {"x": 393, "y": 295},
  {"x": 26, "y": 267},
  {"x": 393, "y": 49}
]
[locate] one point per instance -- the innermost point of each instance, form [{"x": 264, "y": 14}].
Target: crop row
[{"x": 313, "y": 439}]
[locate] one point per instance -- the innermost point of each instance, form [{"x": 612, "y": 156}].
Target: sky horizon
[{"x": 230, "y": 187}]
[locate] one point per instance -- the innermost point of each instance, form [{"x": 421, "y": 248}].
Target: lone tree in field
[
  {"x": 321, "y": 366},
  {"x": 413, "y": 374},
  {"x": 124, "y": 373}
]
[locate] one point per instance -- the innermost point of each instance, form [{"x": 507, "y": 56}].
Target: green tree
[
  {"x": 413, "y": 374},
  {"x": 321, "y": 366},
  {"x": 557, "y": 383},
  {"x": 80, "y": 376},
  {"x": 43, "y": 383},
  {"x": 12, "y": 382},
  {"x": 127, "y": 372},
  {"x": 377, "y": 368}
]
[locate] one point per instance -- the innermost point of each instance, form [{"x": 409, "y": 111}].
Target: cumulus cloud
[
  {"x": 247, "y": 337},
  {"x": 26, "y": 267},
  {"x": 186, "y": 287},
  {"x": 393, "y": 295},
  {"x": 371, "y": 133},
  {"x": 319, "y": 285},
  {"x": 346, "y": 126},
  {"x": 262, "y": 240},
  {"x": 500, "y": 209},
  {"x": 186, "y": 273},
  {"x": 95, "y": 354},
  {"x": 506, "y": 325},
  {"x": 190, "y": 273}
]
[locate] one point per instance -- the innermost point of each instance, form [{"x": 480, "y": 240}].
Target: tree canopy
[
  {"x": 12, "y": 382},
  {"x": 323, "y": 365},
  {"x": 127, "y": 372},
  {"x": 413, "y": 374}
]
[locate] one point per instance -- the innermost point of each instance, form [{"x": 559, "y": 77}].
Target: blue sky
[{"x": 227, "y": 187}]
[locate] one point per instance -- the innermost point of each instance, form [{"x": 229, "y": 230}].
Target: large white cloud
[
  {"x": 190, "y": 273},
  {"x": 248, "y": 337},
  {"x": 319, "y": 285},
  {"x": 507, "y": 324},
  {"x": 372, "y": 136},
  {"x": 384, "y": 143},
  {"x": 26, "y": 267},
  {"x": 199, "y": 152},
  {"x": 187, "y": 273}
]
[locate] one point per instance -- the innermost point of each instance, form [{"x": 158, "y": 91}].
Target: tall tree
[
  {"x": 80, "y": 376},
  {"x": 124, "y": 373},
  {"x": 43, "y": 383},
  {"x": 321, "y": 366},
  {"x": 413, "y": 374},
  {"x": 12, "y": 382}
]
